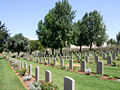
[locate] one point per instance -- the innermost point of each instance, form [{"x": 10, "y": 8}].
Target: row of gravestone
[
  {"x": 99, "y": 69},
  {"x": 69, "y": 83}
]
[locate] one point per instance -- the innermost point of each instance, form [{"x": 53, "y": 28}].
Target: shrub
[
  {"x": 23, "y": 72},
  {"x": 63, "y": 67},
  {"x": 110, "y": 77},
  {"x": 42, "y": 85},
  {"x": 45, "y": 63},
  {"x": 114, "y": 63},
  {"x": 15, "y": 66},
  {"x": 48, "y": 86}
]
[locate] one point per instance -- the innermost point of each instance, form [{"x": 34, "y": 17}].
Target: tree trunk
[
  {"x": 18, "y": 53},
  {"x": 90, "y": 46},
  {"x": 80, "y": 48},
  {"x": 52, "y": 51},
  {"x": 61, "y": 52}
]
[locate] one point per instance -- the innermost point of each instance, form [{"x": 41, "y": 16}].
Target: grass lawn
[
  {"x": 8, "y": 79},
  {"x": 82, "y": 82}
]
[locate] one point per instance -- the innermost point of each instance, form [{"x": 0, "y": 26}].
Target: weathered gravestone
[
  {"x": 71, "y": 64},
  {"x": 61, "y": 62},
  {"x": 86, "y": 59},
  {"x": 48, "y": 61},
  {"x": 96, "y": 59},
  {"x": 109, "y": 60},
  {"x": 54, "y": 62},
  {"x": 100, "y": 68},
  {"x": 30, "y": 69},
  {"x": 37, "y": 73},
  {"x": 69, "y": 83},
  {"x": 47, "y": 76},
  {"x": 25, "y": 65},
  {"x": 83, "y": 66},
  {"x": 113, "y": 56}
]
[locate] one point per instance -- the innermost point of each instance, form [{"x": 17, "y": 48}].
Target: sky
[{"x": 22, "y": 16}]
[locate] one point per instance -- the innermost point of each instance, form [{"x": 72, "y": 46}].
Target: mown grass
[
  {"x": 82, "y": 82},
  {"x": 8, "y": 79}
]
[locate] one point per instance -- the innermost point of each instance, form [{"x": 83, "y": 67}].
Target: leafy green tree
[
  {"x": 111, "y": 42},
  {"x": 118, "y": 38},
  {"x": 35, "y": 45},
  {"x": 96, "y": 28},
  {"x": 57, "y": 28},
  {"x": 4, "y": 35},
  {"x": 80, "y": 34},
  {"x": 18, "y": 43}
]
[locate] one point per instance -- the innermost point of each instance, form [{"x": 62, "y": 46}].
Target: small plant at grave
[
  {"x": 118, "y": 59},
  {"x": 63, "y": 67},
  {"x": 51, "y": 64},
  {"x": 74, "y": 68},
  {"x": 110, "y": 77},
  {"x": 91, "y": 62},
  {"x": 15, "y": 66},
  {"x": 45, "y": 63},
  {"x": 23, "y": 72},
  {"x": 13, "y": 56},
  {"x": 41, "y": 62},
  {"x": 114, "y": 64},
  {"x": 48, "y": 86},
  {"x": 42, "y": 85},
  {"x": 17, "y": 71},
  {"x": 35, "y": 86}
]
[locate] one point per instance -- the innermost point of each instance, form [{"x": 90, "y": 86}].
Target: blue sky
[{"x": 22, "y": 16}]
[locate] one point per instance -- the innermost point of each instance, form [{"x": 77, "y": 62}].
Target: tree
[
  {"x": 57, "y": 27},
  {"x": 96, "y": 28},
  {"x": 18, "y": 43},
  {"x": 118, "y": 38},
  {"x": 111, "y": 42},
  {"x": 35, "y": 45},
  {"x": 4, "y": 35},
  {"x": 80, "y": 34}
]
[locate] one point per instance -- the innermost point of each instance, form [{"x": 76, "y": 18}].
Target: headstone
[
  {"x": 71, "y": 56},
  {"x": 25, "y": 66},
  {"x": 86, "y": 59},
  {"x": 69, "y": 83},
  {"x": 83, "y": 66},
  {"x": 100, "y": 68},
  {"x": 96, "y": 59},
  {"x": 30, "y": 69},
  {"x": 109, "y": 60},
  {"x": 113, "y": 56},
  {"x": 65, "y": 58},
  {"x": 47, "y": 76},
  {"x": 61, "y": 62},
  {"x": 48, "y": 61},
  {"x": 22, "y": 66},
  {"x": 78, "y": 58},
  {"x": 55, "y": 62},
  {"x": 18, "y": 65},
  {"x": 104, "y": 56},
  {"x": 71, "y": 64},
  {"x": 40, "y": 59},
  {"x": 36, "y": 59},
  {"x": 37, "y": 73},
  {"x": 44, "y": 60}
]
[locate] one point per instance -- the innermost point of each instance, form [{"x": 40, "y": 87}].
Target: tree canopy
[
  {"x": 4, "y": 35},
  {"x": 55, "y": 31},
  {"x": 18, "y": 43},
  {"x": 118, "y": 38},
  {"x": 35, "y": 45}
]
